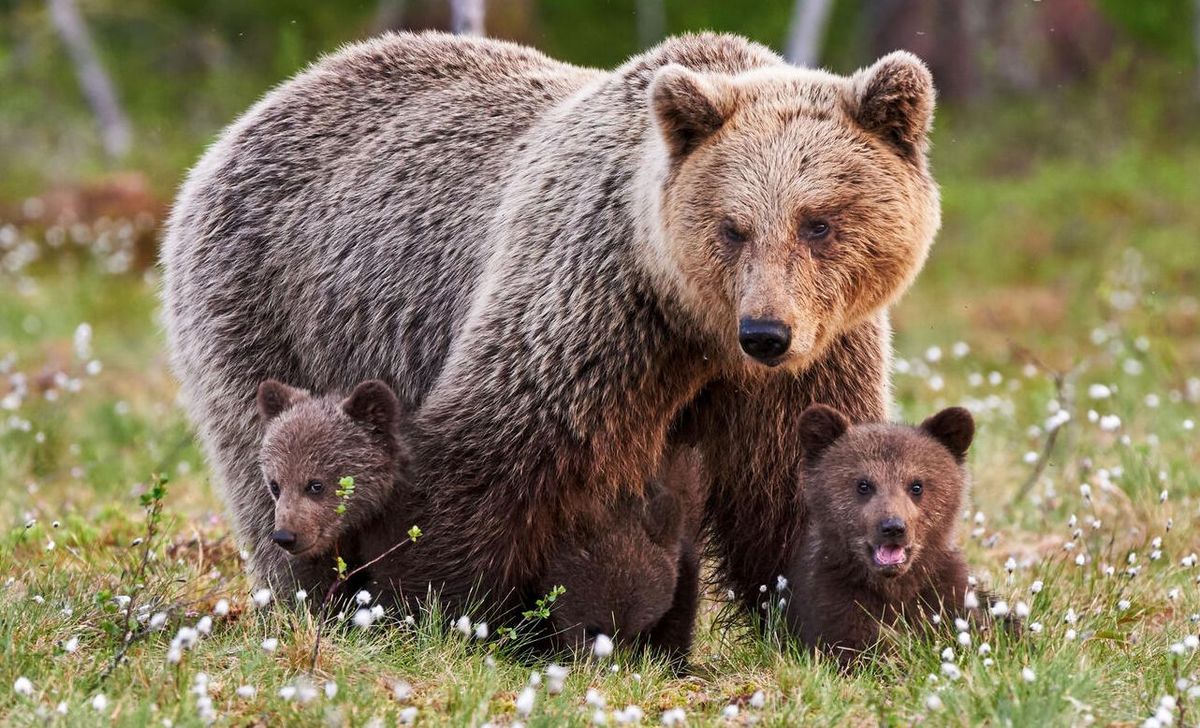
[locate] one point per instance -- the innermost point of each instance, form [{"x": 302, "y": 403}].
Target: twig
[{"x": 1062, "y": 393}]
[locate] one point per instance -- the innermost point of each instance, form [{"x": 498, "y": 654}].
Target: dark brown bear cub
[
  {"x": 309, "y": 444},
  {"x": 877, "y": 543}
]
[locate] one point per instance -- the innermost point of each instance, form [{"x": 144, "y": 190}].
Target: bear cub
[
  {"x": 635, "y": 575},
  {"x": 309, "y": 444},
  {"x": 877, "y": 543}
]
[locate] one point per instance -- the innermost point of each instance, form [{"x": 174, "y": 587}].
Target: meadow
[{"x": 1060, "y": 305}]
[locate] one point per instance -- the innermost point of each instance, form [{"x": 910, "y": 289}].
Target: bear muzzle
[{"x": 765, "y": 340}]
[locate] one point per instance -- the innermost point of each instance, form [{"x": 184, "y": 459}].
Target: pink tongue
[{"x": 889, "y": 555}]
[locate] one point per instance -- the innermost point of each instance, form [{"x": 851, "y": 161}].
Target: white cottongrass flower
[
  {"x": 61, "y": 708},
  {"x": 222, "y": 607},
  {"x": 948, "y": 654},
  {"x": 71, "y": 645},
  {"x": 1000, "y": 609},
  {"x": 270, "y": 644},
  {"x": 363, "y": 618},
  {"x": 1080, "y": 559},
  {"x": 1099, "y": 391},
  {"x": 1110, "y": 423},
  {"x": 599, "y": 717},
  {"x": 594, "y": 698},
  {"x": 262, "y": 598},
  {"x": 1191, "y": 642},
  {"x": 602, "y": 646},
  {"x": 174, "y": 654},
  {"x": 23, "y": 686},
  {"x": 556, "y": 676},
  {"x": 933, "y": 702},
  {"x": 331, "y": 690},
  {"x": 1021, "y": 610},
  {"x": 247, "y": 691},
  {"x": 964, "y": 639},
  {"x": 408, "y": 716},
  {"x": 481, "y": 631},
  {"x": 781, "y": 583},
  {"x": 525, "y": 701},
  {"x": 674, "y": 717},
  {"x": 1070, "y": 617},
  {"x": 971, "y": 600},
  {"x": 1030, "y": 457},
  {"x": 401, "y": 690},
  {"x": 204, "y": 626},
  {"x": 463, "y": 624},
  {"x": 1035, "y": 627},
  {"x": 985, "y": 648},
  {"x": 287, "y": 692},
  {"x": 960, "y": 349},
  {"x": 951, "y": 671},
  {"x": 1070, "y": 635},
  {"x": 630, "y": 715},
  {"x": 100, "y": 702},
  {"x": 301, "y": 595},
  {"x": 158, "y": 621},
  {"x": 363, "y": 597},
  {"x": 758, "y": 699},
  {"x": 1122, "y": 605},
  {"x": 1010, "y": 565},
  {"x": 1028, "y": 675},
  {"x": 729, "y": 712}
]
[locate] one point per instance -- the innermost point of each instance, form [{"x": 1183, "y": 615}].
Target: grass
[{"x": 1075, "y": 260}]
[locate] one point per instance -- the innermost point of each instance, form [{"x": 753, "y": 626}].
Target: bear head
[
  {"x": 789, "y": 204},
  {"x": 310, "y": 444},
  {"x": 619, "y": 576},
  {"x": 881, "y": 495}
]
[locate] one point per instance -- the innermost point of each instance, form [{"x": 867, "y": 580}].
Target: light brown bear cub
[
  {"x": 877, "y": 543},
  {"x": 634, "y": 575}
]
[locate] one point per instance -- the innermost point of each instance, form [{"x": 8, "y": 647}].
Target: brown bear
[
  {"x": 635, "y": 577},
  {"x": 556, "y": 265},
  {"x": 308, "y": 446},
  {"x": 877, "y": 543}
]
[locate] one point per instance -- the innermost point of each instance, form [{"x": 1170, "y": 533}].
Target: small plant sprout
[
  {"x": 414, "y": 533},
  {"x": 344, "y": 492}
]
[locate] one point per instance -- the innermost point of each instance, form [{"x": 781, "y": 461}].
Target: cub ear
[
  {"x": 274, "y": 397},
  {"x": 375, "y": 405},
  {"x": 663, "y": 515},
  {"x": 820, "y": 427},
  {"x": 953, "y": 427},
  {"x": 893, "y": 99},
  {"x": 688, "y": 107}
]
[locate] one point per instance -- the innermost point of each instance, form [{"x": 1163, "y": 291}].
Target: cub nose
[
  {"x": 892, "y": 527},
  {"x": 284, "y": 538},
  {"x": 764, "y": 339}
]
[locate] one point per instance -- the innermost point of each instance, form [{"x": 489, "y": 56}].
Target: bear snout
[
  {"x": 893, "y": 528},
  {"x": 284, "y": 538},
  {"x": 765, "y": 340}
]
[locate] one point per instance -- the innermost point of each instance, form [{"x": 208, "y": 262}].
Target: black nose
[
  {"x": 284, "y": 538},
  {"x": 764, "y": 339},
  {"x": 892, "y": 527}
]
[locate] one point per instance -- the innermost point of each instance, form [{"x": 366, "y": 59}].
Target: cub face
[
  {"x": 310, "y": 443},
  {"x": 884, "y": 493},
  {"x": 794, "y": 203}
]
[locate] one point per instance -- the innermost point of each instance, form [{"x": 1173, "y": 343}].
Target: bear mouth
[{"x": 890, "y": 558}]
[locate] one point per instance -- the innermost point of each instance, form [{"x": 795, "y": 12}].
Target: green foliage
[
  {"x": 541, "y": 609},
  {"x": 344, "y": 491}
]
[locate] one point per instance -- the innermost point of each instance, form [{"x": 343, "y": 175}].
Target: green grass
[{"x": 1057, "y": 256}]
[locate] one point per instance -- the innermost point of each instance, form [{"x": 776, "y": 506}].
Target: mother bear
[{"x": 565, "y": 269}]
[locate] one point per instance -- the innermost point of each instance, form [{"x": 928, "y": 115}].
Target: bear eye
[
  {"x": 315, "y": 486},
  {"x": 274, "y": 488},
  {"x": 916, "y": 488},
  {"x": 731, "y": 234},
  {"x": 816, "y": 230},
  {"x": 864, "y": 486}
]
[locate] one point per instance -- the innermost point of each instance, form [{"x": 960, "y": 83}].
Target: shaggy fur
[
  {"x": 553, "y": 263},
  {"x": 878, "y": 540}
]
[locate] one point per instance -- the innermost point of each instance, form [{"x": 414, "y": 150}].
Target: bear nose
[
  {"x": 284, "y": 538},
  {"x": 764, "y": 339},
  {"x": 892, "y": 527}
]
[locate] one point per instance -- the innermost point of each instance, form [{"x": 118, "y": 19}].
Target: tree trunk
[
  {"x": 466, "y": 17},
  {"x": 97, "y": 87},
  {"x": 807, "y": 32}
]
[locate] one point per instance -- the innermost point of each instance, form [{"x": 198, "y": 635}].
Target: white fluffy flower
[
  {"x": 270, "y": 644},
  {"x": 247, "y": 691},
  {"x": 23, "y": 686},
  {"x": 463, "y": 624},
  {"x": 1028, "y": 675},
  {"x": 363, "y": 597},
  {"x": 222, "y": 607},
  {"x": 525, "y": 701},
  {"x": 262, "y": 597},
  {"x": 602, "y": 646},
  {"x": 100, "y": 702}
]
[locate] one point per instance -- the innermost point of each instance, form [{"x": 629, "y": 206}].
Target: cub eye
[
  {"x": 274, "y": 488},
  {"x": 816, "y": 230},
  {"x": 315, "y": 486},
  {"x": 732, "y": 234},
  {"x": 864, "y": 486},
  {"x": 916, "y": 488}
]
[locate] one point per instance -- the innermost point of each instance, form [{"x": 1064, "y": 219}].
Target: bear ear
[
  {"x": 893, "y": 99},
  {"x": 954, "y": 428},
  {"x": 688, "y": 107},
  {"x": 274, "y": 397},
  {"x": 375, "y": 405},
  {"x": 663, "y": 515},
  {"x": 820, "y": 427}
]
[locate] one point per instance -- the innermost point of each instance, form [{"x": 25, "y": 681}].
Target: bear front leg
[
  {"x": 672, "y": 636},
  {"x": 753, "y": 457}
]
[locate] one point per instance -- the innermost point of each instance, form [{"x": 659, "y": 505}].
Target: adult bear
[{"x": 558, "y": 266}]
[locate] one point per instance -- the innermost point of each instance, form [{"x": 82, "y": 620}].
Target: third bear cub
[{"x": 877, "y": 543}]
